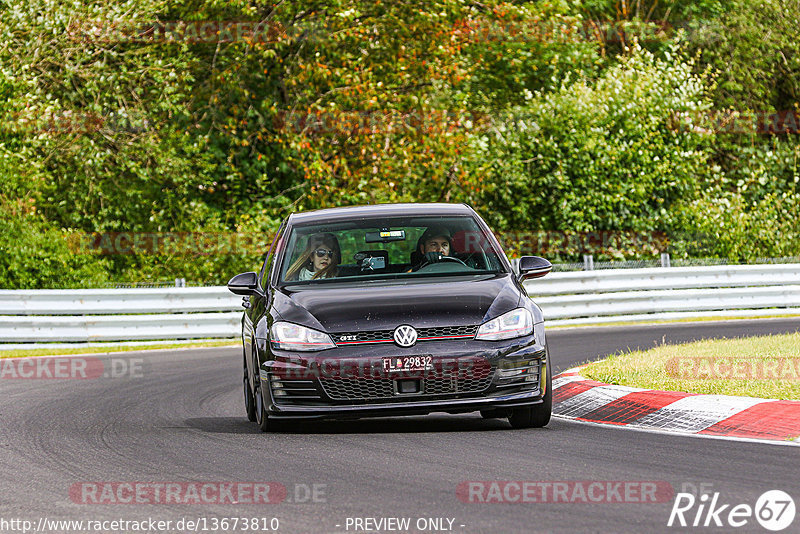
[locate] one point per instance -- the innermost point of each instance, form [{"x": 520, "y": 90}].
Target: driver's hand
[{"x": 433, "y": 257}]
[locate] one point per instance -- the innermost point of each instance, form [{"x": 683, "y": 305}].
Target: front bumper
[
  {"x": 420, "y": 407},
  {"x": 500, "y": 390}
]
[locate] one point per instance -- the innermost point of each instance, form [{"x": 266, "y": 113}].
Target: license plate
[{"x": 408, "y": 363}]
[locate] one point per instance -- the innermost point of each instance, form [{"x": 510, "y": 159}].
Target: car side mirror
[
  {"x": 244, "y": 284},
  {"x": 533, "y": 267}
]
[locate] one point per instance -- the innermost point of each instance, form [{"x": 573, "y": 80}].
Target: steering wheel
[{"x": 435, "y": 257}]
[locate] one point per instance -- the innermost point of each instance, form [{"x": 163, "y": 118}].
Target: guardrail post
[
  {"x": 180, "y": 282},
  {"x": 665, "y": 259},
  {"x": 588, "y": 262}
]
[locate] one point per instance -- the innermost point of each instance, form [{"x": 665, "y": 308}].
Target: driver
[
  {"x": 434, "y": 243},
  {"x": 436, "y": 239}
]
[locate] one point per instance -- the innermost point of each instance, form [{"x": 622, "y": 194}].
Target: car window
[
  {"x": 271, "y": 254},
  {"x": 409, "y": 247}
]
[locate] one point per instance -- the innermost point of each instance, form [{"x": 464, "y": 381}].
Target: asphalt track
[{"x": 180, "y": 420}]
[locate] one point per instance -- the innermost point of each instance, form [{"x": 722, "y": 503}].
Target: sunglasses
[{"x": 323, "y": 252}]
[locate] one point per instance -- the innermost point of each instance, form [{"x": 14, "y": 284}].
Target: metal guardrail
[
  {"x": 90, "y": 315},
  {"x": 85, "y": 328},
  {"x": 117, "y": 301},
  {"x": 613, "y": 280},
  {"x": 96, "y": 315},
  {"x": 616, "y": 295}
]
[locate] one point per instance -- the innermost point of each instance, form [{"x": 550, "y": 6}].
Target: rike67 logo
[{"x": 774, "y": 510}]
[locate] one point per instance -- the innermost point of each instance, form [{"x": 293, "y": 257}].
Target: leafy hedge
[
  {"x": 602, "y": 154},
  {"x": 34, "y": 256},
  {"x": 514, "y": 107}
]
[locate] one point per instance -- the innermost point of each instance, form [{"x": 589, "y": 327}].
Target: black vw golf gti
[{"x": 392, "y": 310}]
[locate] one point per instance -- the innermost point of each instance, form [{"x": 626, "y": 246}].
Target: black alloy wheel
[{"x": 249, "y": 399}]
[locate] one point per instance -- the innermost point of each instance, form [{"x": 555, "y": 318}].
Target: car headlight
[
  {"x": 289, "y": 336},
  {"x": 516, "y": 323}
]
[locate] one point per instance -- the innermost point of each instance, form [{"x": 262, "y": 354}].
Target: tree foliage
[
  {"x": 534, "y": 112},
  {"x": 602, "y": 154}
]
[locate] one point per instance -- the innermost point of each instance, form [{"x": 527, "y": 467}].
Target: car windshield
[{"x": 399, "y": 248}]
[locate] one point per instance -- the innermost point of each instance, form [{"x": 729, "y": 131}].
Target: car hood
[{"x": 425, "y": 303}]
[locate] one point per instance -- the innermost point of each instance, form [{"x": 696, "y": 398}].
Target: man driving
[
  {"x": 435, "y": 242},
  {"x": 436, "y": 239}
]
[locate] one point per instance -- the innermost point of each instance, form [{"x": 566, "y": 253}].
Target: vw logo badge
[{"x": 405, "y": 335}]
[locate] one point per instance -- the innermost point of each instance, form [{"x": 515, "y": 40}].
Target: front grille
[
  {"x": 454, "y": 385},
  {"x": 376, "y": 336},
  {"x": 423, "y": 334},
  {"x": 385, "y": 388},
  {"x": 358, "y": 388},
  {"x": 446, "y": 332}
]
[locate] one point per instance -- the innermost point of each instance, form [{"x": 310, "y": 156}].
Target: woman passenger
[{"x": 320, "y": 259}]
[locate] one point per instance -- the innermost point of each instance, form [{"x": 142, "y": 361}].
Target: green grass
[
  {"x": 19, "y": 353},
  {"x": 766, "y": 367}
]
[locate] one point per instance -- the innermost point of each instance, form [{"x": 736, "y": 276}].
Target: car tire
[
  {"x": 535, "y": 416},
  {"x": 249, "y": 398},
  {"x": 262, "y": 418},
  {"x": 520, "y": 417}
]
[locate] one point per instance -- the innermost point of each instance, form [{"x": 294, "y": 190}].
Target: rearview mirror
[
  {"x": 533, "y": 267},
  {"x": 385, "y": 236},
  {"x": 243, "y": 284}
]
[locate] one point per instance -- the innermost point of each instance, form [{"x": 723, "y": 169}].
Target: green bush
[
  {"x": 729, "y": 227},
  {"x": 33, "y": 256},
  {"x": 755, "y": 47},
  {"x": 751, "y": 211},
  {"x": 511, "y": 106},
  {"x": 603, "y": 155}
]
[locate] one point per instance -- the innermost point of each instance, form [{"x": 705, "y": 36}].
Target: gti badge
[{"x": 405, "y": 335}]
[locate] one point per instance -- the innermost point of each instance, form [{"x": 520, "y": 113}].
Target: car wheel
[
  {"x": 535, "y": 416},
  {"x": 261, "y": 407},
  {"x": 520, "y": 417},
  {"x": 249, "y": 398}
]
